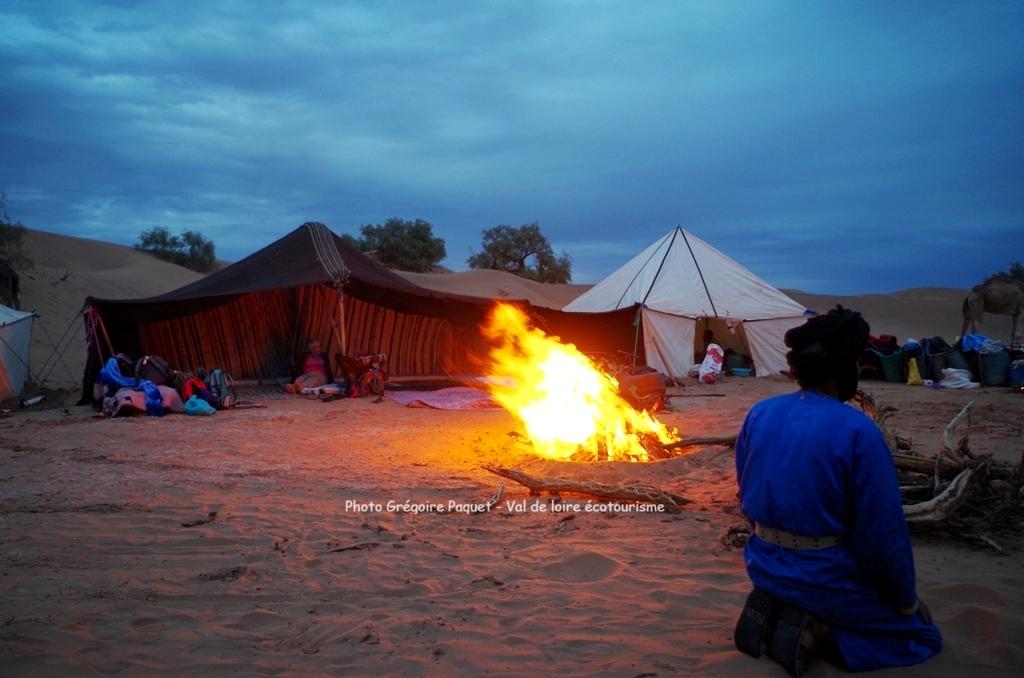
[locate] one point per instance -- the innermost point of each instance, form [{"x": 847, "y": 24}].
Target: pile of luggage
[
  {"x": 150, "y": 385},
  {"x": 971, "y": 359}
]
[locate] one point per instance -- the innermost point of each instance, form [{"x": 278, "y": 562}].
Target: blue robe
[{"x": 811, "y": 465}]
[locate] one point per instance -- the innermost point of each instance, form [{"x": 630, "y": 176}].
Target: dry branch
[
  {"x": 983, "y": 495},
  {"x": 959, "y": 450},
  {"x": 639, "y": 492},
  {"x": 879, "y": 414},
  {"x": 945, "y": 467},
  {"x": 938, "y": 508},
  {"x": 490, "y": 502}
]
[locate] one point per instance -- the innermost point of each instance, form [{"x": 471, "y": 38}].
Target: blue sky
[{"x": 835, "y": 147}]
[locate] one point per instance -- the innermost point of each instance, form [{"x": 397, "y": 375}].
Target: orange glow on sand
[{"x": 569, "y": 408}]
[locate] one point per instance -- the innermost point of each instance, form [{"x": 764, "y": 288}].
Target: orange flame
[{"x": 570, "y": 409}]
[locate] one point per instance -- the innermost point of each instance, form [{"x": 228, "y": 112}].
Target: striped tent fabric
[{"x": 254, "y": 317}]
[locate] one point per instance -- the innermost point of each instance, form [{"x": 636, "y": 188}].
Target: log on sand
[
  {"x": 728, "y": 439},
  {"x": 638, "y": 492}
]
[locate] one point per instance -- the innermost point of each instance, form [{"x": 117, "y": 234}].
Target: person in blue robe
[{"x": 830, "y": 541}]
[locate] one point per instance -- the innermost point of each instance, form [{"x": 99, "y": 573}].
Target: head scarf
[{"x": 826, "y": 349}]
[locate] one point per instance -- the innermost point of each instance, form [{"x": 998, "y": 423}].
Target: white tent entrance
[{"x": 683, "y": 285}]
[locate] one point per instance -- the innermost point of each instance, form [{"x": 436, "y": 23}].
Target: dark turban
[{"x": 826, "y": 349}]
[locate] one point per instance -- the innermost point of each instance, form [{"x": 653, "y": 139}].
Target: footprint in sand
[
  {"x": 581, "y": 567},
  {"x": 976, "y": 624}
]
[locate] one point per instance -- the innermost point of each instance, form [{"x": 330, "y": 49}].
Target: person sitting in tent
[
  {"x": 830, "y": 555},
  {"x": 708, "y": 338},
  {"x": 313, "y": 369}
]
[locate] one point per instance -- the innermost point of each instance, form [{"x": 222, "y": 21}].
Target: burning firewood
[
  {"x": 638, "y": 492},
  {"x": 569, "y": 408}
]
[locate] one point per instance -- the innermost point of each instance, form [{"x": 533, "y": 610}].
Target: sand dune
[
  {"x": 914, "y": 313},
  {"x": 498, "y": 285},
  {"x": 66, "y": 270}
]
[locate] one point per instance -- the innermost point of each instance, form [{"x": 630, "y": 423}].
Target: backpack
[
  {"x": 371, "y": 383},
  {"x": 197, "y": 387},
  {"x": 155, "y": 369},
  {"x": 222, "y": 386},
  {"x": 934, "y": 358}
]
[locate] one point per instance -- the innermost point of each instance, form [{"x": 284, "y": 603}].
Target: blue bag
[{"x": 198, "y": 406}]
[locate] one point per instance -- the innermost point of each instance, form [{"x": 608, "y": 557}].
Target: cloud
[{"x": 840, "y": 148}]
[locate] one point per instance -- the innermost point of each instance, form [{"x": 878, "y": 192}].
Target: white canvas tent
[
  {"x": 681, "y": 283},
  {"x": 15, "y": 344}
]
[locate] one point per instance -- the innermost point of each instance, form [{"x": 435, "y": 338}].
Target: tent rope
[
  {"x": 330, "y": 258},
  {"x": 59, "y": 354},
  {"x": 92, "y": 334},
  {"x": 56, "y": 346},
  {"x": 327, "y": 253}
]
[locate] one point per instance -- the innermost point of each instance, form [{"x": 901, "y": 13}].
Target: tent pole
[
  {"x": 636, "y": 336},
  {"x": 339, "y": 326},
  {"x": 103, "y": 327}
]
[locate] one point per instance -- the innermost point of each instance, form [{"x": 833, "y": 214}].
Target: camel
[{"x": 1001, "y": 296}]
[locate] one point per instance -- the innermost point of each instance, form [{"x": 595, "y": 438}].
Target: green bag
[
  {"x": 957, "y": 360},
  {"x": 995, "y": 368}
]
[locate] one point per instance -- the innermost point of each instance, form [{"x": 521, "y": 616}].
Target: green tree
[
  {"x": 200, "y": 253},
  {"x": 190, "y": 249},
  {"x": 1016, "y": 272},
  {"x": 12, "y": 237},
  {"x": 523, "y": 251},
  {"x": 398, "y": 243}
]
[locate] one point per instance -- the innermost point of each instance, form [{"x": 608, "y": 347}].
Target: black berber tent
[{"x": 253, "y": 317}]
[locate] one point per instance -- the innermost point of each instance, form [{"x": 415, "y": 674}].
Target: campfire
[{"x": 569, "y": 408}]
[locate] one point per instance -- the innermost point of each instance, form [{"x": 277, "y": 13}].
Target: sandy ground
[{"x": 102, "y": 574}]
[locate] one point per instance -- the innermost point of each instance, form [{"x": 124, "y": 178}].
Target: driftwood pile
[{"x": 966, "y": 495}]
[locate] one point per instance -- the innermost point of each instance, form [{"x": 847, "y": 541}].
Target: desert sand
[{"x": 225, "y": 545}]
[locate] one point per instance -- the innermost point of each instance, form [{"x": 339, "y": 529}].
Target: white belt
[{"x": 795, "y": 541}]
